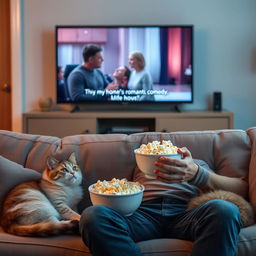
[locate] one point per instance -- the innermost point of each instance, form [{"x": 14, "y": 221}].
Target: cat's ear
[
  {"x": 72, "y": 158},
  {"x": 52, "y": 162}
]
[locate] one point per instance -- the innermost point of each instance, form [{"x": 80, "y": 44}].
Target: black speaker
[{"x": 217, "y": 101}]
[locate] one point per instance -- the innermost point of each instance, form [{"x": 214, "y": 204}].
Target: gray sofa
[{"x": 230, "y": 152}]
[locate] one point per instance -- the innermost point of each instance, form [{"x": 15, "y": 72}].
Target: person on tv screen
[
  {"x": 85, "y": 79},
  {"x": 61, "y": 87},
  {"x": 121, "y": 77},
  {"x": 140, "y": 78}
]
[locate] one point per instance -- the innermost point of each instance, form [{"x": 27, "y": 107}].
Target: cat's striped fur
[{"x": 45, "y": 207}]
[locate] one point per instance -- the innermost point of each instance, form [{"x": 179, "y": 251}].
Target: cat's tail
[{"x": 44, "y": 229}]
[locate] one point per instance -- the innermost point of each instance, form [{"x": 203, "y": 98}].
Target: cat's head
[{"x": 66, "y": 172}]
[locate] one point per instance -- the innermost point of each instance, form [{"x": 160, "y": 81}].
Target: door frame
[
  {"x": 17, "y": 64},
  {"x": 5, "y": 66}
]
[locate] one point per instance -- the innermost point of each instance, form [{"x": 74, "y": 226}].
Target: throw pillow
[{"x": 12, "y": 174}]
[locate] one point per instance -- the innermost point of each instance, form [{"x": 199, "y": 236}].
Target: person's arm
[
  {"x": 236, "y": 185},
  {"x": 77, "y": 85},
  {"x": 186, "y": 169},
  {"x": 147, "y": 84},
  {"x": 77, "y": 88}
]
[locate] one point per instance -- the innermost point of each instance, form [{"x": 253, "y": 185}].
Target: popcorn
[
  {"x": 116, "y": 187},
  {"x": 158, "y": 148}
]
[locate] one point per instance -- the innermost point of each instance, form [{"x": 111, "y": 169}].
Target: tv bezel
[{"x": 120, "y": 103}]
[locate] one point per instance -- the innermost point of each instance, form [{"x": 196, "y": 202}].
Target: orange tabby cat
[
  {"x": 45, "y": 207},
  {"x": 246, "y": 210}
]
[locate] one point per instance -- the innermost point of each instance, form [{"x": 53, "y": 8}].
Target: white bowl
[
  {"x": 146, "y": 162},
  {"x": 125, "y": 204}
]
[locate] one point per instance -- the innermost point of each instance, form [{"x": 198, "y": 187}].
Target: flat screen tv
[{"x": 168, "y": 62}]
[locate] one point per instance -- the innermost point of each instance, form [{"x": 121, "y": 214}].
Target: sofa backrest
[{"x": 111, "y": 155}]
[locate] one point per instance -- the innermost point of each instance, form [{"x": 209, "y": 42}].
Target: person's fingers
[
  {"x": 170, "y": 169},
  {"x": 169, "y": 178},
  {"x": 184, "y": 152},
  {"x": 170, "y": 162}
]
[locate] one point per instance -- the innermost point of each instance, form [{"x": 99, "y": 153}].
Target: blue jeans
[{"x": 213, "y": 227}]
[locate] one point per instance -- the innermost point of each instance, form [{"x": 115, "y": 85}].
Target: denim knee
[
  {"x": 105, "y": 232},
  {"x": 92, "y": 217},
  {"x": 217, "y": 228},
  {"x": 222, "y": 210}
]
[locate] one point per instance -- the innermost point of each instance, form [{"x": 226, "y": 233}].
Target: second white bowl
[{"x": 125, "y": 204}]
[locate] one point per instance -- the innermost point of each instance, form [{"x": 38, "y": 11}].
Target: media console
[{"x": 60, "y": 123}]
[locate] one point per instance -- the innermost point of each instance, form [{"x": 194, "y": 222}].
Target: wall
[{"x": 224, "y": 44}]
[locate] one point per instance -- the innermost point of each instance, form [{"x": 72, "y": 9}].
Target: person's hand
[
  {"x": 112, "y": 86},
  {"x": 176, "y": 170}
]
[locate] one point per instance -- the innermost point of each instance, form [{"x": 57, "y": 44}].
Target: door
[{"x": 5, "y": 66}]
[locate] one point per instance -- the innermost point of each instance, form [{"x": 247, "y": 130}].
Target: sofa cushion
[
  {"x": 13, "y": 174},
  {"x": 72, "y": 245},
  {"x": 247, "y": 241},
  {"x": 11, "y": 245},
  {"x": 166, "y": 247},
  {"x": 17, "y": 147}
]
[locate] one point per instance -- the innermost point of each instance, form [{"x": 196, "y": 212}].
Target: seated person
[
  {"x": 88, "y": 76},
  {"x": 213, "y": 227},
  {"x": 140, "y": 78}
]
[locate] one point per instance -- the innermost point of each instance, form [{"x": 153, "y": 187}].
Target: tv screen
[{"x": 124, "y": 64}]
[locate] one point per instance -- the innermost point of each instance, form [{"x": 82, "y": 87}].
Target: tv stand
[
  {"x": 61, "y": 123},
  {"x": 176, "y": 108}
]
